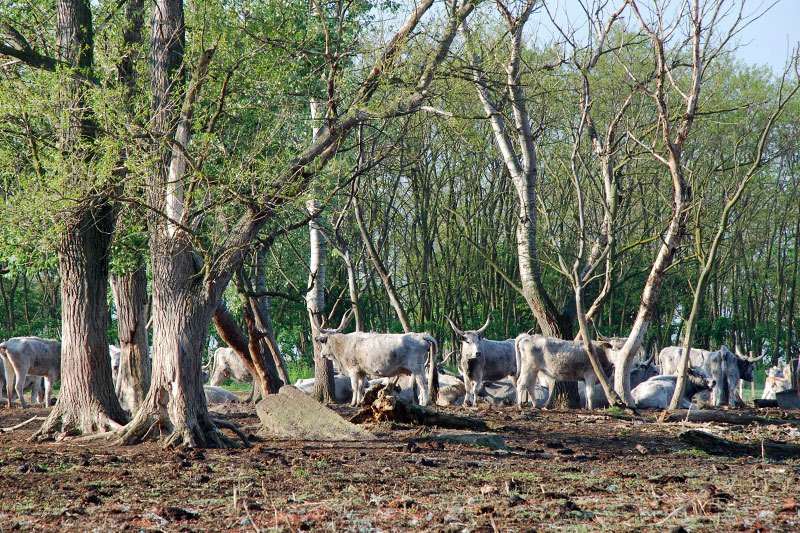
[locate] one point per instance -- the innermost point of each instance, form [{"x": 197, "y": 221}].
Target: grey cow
[
  {"x": 558, "y": 360},
  {"x": 226, "y": 363},
  {"x": 31, "y": 356},
  {"x": 375, "y": 355},
  {"x": 34, "y": 384},
  {"x": 714, "y": 363},
  {"x": 656, "y": 392},
  {"x": 484, "y": 359}
]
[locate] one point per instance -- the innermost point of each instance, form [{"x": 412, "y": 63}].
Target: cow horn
[
  {"x": 755, "y": 359},
  {"x": 483, "y": 329},
  {"x": 738, "y": 351},
  {"x": 345, "y": 320},
  {"x": 452, "y": 325}
]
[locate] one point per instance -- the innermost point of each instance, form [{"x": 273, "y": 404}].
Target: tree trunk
[
  {"x": 324, "y": 390},
  {"x": 130, "y": 298},
  {"x": 87, "y": 402}
]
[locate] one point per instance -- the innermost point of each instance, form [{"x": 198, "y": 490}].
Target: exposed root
[
  {"x": 233, "y": 427},
  {"x": 64, "y": 423}
]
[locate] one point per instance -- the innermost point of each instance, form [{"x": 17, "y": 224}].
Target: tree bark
[
  {"x": 135, "y": 370},
  {"x": 87, "y": 402}
]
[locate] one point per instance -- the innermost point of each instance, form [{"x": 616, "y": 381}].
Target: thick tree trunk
[
  {"x": 133, "y": 376},
  {"x": 87, "y": 402}
]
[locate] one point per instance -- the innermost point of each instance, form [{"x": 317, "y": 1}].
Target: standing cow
[
  {"x": 484, "y": 359},
  {"x": 375, "y": 355},
  {"x": 725, "y": 368},
  {"x": 31, "y": 356},
  {"x": 559, "y": 360}
]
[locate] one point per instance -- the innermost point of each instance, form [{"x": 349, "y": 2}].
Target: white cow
[
  {"x": 775, "y": 382},
  {"x": 484, "y": 359},
  {"x": 226, "y": 363},
  {"x": 656, "y": 392},
  {"x": 34, "y": 384},
  {"x": 31, "y": 356},
  {"x": 361, "y": 355},
  {"x": 558, "y": 360}
]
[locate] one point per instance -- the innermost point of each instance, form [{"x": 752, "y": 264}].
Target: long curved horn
[
  {"x": 345, "y": 320},
  {"x": 452, "y": 325},
  {"x": 483, "y": 329},
  {"x": 755, "y": 359}
]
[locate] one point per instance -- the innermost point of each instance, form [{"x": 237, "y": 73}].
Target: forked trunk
[{"x": 176, "y": 405}]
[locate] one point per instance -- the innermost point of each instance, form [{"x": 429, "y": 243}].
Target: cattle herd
[{"x": 523, "y": 369}]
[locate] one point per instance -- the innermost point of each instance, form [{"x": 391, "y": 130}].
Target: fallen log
[
  {"x": 723, "y": 417},
  {"x": 714, "y": 445},
  {"x": 384, "y": 406}
]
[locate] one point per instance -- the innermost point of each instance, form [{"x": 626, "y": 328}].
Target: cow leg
[
  {"x": 589, "y": 382},
  {"x": 526, "y": 380},
  {"x": 467, "y": 390},
  {"x": 420, "y": 380},
  {"x": 19, "y": 386},
  {"x": 476, "y": 387},
  {"x": 10, "y": 377},
  {"x": 48, "y": 389},
  {"x": 354, "y": 385}
]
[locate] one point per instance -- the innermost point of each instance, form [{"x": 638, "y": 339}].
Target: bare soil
[{"x": 575, "y": 471}]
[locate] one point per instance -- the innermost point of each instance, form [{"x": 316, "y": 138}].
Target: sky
[
  {"x": 766, "y": 40},
  {"x": 769, "y": 39}
]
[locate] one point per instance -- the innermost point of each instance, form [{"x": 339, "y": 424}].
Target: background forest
[{"x": 428, "y": 192}]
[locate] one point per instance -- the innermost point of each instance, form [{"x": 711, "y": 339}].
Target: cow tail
[
  {"x": 517, "y": 355},
  {"x": 433, "y": 386}
]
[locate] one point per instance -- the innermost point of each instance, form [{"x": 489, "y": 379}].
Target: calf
[
  {"x": 361, "y": 355},
  {"x": 484, "y": 359},
  {"x": 31, "y": 356},
  {"x": 656, "y": 392},
  {"x": 219, "y": 395},
  {"x": 558, "y": 360}
]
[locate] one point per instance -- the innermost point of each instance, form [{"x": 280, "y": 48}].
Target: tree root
[
  {"x": 63, "y": 424},
  {"x": 233, "y": 427}
]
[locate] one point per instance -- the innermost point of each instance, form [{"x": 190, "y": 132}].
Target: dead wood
[
  {"x": 384, "y": 406},
  {"x": 723, "y": 417},
  {"x": 22, "y": 424},
  {"x": 718, "y": 446}
]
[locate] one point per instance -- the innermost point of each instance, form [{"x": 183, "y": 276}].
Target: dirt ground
[{"x": 575, "y": 471}]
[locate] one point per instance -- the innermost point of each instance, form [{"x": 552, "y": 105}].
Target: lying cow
[
  {"x": 31, "y": 356},
  {"x": 714, "y": 363},
  {"x": 375, "y": 355},
  {"x": 226, "y": 363},
  {"x": 558, "y": 360},
  {"x": 219, "y": 395},
  {"x": 484, "y": 359},
  {"x": 641, "y": 371},
  {"x": 657, "y": 392}
]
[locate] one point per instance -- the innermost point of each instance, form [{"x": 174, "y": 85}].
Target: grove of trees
[{"x": 619, "y": 167}]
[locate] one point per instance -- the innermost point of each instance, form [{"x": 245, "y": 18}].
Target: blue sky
[{"x": 769, "y": 39}]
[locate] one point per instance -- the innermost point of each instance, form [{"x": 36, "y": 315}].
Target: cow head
[
  {"x": 322, "y": 334},
  {"x": 747, "y": 365},
  {"x": 470, "y": 340},
  {"x": 698, "y": 380}
]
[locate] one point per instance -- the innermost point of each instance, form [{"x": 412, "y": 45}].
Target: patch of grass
[
  {"x": 615, "y": 410},
  {"x": 693, "y": 451},
  {"x": 299, "y": 370}
]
